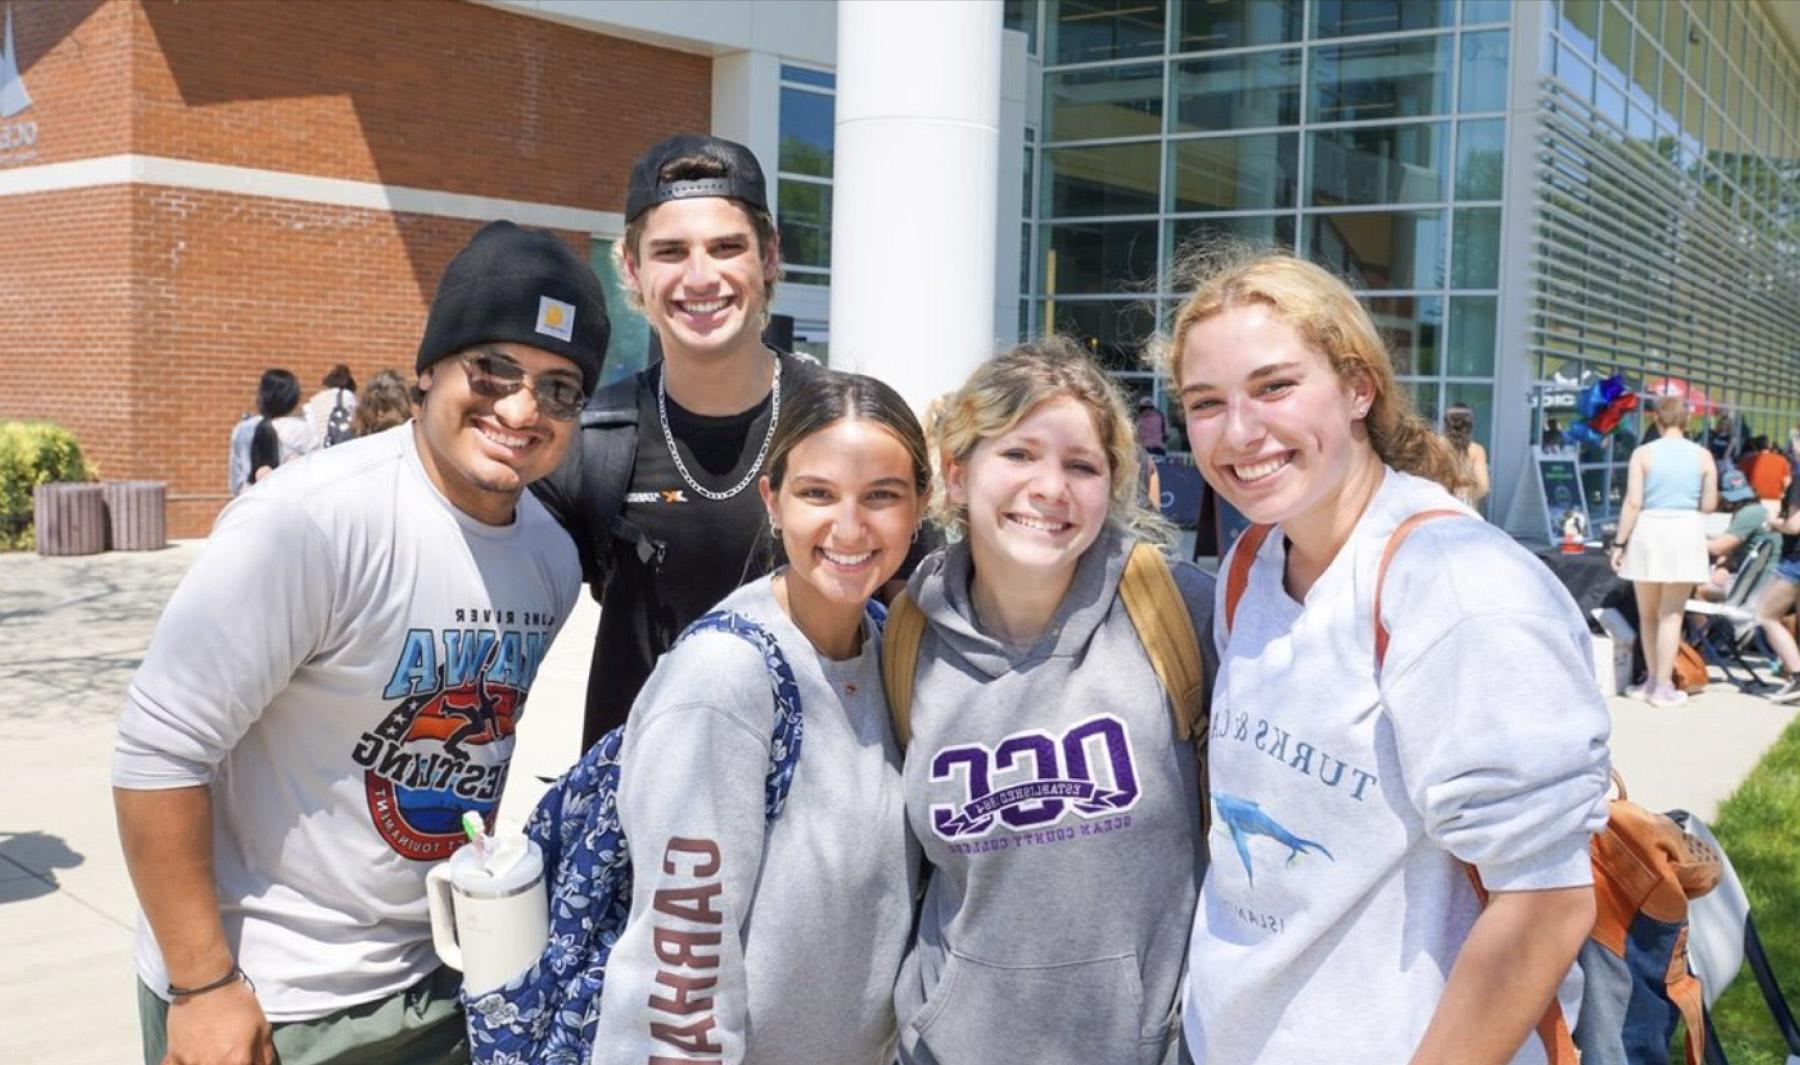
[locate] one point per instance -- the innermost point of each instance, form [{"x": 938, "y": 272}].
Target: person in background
[
  {"x": 1779, "y": 596},
  {"x": 279, "y": 435},
  {"x": 1749, "y": 519},
  {"x": 386, "y": 402},
  {"x": 1661, "y": 543},
  {"x": 817, "y": 904},
  {"x": 1719, "y": 440},
  {"x": 329, "y": 412},
  {"x": 1766, "y": 468},
  {"x": 1152, "y": 428},
  {"x": 1357, "y": 790},
  {"x": 238, "y": 468},
  {"x": 1552, "y": 442},
  {"x": 1471, "y": 485}
]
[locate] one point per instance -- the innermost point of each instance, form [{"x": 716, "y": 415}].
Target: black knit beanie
[{"x": 523, "y": 286}]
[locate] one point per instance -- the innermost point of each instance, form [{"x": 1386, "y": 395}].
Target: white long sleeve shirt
[{"x": 344, "y": 665}]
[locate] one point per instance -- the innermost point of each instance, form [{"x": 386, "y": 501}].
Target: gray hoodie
[
  {"x": 1060, "y": 813},
  {"x": 775, "y": 946}
]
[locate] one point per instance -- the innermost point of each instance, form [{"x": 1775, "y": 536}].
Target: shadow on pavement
[{"x": 34, "y": 857}]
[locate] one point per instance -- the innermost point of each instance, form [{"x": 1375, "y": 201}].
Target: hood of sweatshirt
[{"x": 941, "y": 588}]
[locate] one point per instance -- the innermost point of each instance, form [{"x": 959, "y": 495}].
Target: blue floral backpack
[{"x": 548, "y": 1014}]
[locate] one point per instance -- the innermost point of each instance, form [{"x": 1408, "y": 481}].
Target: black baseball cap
[{"x": 742, "y": 179}]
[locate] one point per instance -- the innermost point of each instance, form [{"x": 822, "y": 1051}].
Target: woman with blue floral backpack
[{"x": 759, "y": 938}]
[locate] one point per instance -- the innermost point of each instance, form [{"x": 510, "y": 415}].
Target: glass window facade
[
  {"x": 1373, "y": 136},
  {"x": 803, "y": 173},
  {"x": 1670, "y": 245},
  {"x": 1369, "y": 135}
]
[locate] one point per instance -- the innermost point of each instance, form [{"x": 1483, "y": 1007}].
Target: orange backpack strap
[
  {"x": 1400, "y": 533},
  {"x": 900, "y": 661},
  {"x": 1552, "y": 1027},
  {"x": 1237, "y": 579}
]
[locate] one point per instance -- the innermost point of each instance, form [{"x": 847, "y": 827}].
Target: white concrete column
[
  {"x": 1517, "y": 501},
  {"x": 746, "y": 105},
  {"x": 915, "y": 189},
  {"x": 1011, "y": 201}
]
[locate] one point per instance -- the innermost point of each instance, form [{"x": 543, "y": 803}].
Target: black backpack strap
[{"x": 609, "y": 438}]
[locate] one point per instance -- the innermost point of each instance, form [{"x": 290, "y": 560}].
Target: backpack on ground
[
  {"x": 548, "y": 1014},
  {"x": 337, "y": 423},
  {"x": 1159, "y": 615},
  {"x": 1635, "y": 962},
  {"x": 1689, "y": 674}
]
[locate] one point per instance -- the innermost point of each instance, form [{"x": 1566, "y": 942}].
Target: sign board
[
  {"x": 1182, "y": 489},
  {"x": 1564, "y": 502}
]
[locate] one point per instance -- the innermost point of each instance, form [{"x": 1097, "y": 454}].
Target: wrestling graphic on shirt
[{"x": 445, "y": 748}]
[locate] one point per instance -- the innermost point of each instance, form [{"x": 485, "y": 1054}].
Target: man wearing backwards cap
[
  {"x": 337, "y": 680},
  {"x": 659, "y": 493}
]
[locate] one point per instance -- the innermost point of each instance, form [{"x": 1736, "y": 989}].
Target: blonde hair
[
  {"x": 1004, "y": 390},
  {"x": 1321, "y": 308},
  {"x": 1671, "y": 411}
]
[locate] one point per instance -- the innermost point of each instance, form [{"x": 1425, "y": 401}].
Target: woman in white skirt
[{"x": 1661, "y": 544}]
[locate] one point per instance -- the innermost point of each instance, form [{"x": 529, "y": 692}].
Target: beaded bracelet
[{"x": 234, "y": 975}]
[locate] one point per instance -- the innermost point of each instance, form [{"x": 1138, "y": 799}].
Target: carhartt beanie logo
[{"x": 521, "y": 286}]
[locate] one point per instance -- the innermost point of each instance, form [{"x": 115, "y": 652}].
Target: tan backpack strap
[
  {"x": 900, "y": 660},
  {"x": 1387, "y": 556},
  {"x": 1238, "y": 578},
  {"x": 1159, "y": 614}
]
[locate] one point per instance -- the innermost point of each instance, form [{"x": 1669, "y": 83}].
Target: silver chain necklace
[{"x": 662, "y": 413}]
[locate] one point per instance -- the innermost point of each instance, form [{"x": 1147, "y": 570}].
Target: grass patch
[{"x": 1759, "y": 827}]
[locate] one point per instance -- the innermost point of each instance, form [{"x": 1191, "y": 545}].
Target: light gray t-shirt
[{"x": 344, "y": 664}]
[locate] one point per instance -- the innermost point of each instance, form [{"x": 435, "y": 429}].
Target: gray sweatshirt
[
  {"x": 745, "y": 945},
  {"x": 1060, "y": 813}
]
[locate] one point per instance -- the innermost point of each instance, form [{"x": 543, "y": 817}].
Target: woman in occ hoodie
[
  {"x": 1053, "y": 929},
  {"x": 1338, "y": 922},
  {"x": 778, "y": 944}
]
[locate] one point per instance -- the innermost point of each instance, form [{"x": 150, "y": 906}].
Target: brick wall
[
  {"x": 423, "y": 93},
  {"x": 75, "y": 59},
  {"x": 141, "y": 317}
]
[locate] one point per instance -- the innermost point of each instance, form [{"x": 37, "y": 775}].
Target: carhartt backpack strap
[
  {"x": 1237, "y": 578},
  {"x": 1160, "y": 615},
  {"x": 900, "y": 661},
  {"x": 1399, "y": 535}
]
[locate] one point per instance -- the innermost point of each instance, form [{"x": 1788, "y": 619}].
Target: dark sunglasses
[{"x": 493, "y": 376}]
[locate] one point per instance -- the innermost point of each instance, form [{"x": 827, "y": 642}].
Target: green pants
[{"x": 422, "y": 1025}]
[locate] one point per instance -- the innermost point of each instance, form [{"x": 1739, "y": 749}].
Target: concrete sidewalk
[{"x": 72, "y": 631}]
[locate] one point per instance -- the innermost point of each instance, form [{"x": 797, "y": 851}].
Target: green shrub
[{"x": 33, "y": 453}]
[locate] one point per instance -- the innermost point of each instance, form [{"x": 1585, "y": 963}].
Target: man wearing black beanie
[{"x": 335, "y": 684}]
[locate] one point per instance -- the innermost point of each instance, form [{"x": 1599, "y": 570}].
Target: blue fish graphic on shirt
[{"x": 1245, "y": 818}]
